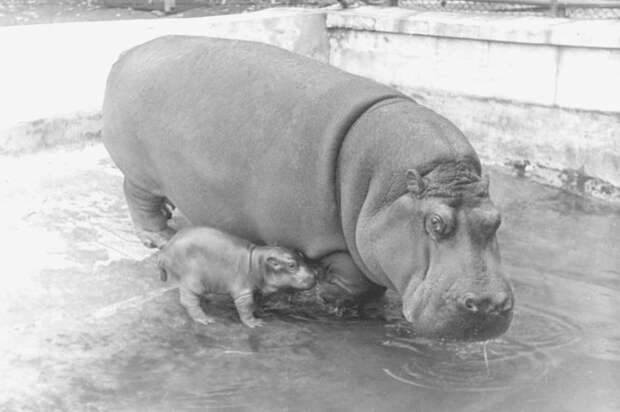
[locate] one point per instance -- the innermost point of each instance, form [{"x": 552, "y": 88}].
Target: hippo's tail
[
  {"x": 161, "y": 265},
  {"x": 168, "y": 208}
]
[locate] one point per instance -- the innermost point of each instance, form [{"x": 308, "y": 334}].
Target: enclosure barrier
[
  {"x": 594, "y": 9},
  {"x": 536, "y": 94},
  {"x": 578, "y": 9}
]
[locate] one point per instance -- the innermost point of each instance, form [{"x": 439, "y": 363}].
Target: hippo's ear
[
  {"x": 415, "y": 183},
  {"x": 484, "y": 183}
]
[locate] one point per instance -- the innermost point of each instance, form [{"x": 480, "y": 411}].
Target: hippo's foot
[
  {"x": 253, "y": 322},
  {"x": 334, "y": 296},
  {"x": 245, "y": 307},
  {"x": 345, "y": 287},
  {"x": 155, "y": 239},
  {"x": 201, "y": 318},
  {"x": 191, "y": 303}
]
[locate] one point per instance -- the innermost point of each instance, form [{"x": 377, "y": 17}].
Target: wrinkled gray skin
[
  {"x": 274, "y": 147},
  {"x": 206, "y": 260},
  {"x": 428, "y": 232}
]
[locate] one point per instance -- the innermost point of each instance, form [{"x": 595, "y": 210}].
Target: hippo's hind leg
[
  {"x": 149, "y": 214},
  {"x": 344, "y": 284},
  {"x": 191, "y": 303}
]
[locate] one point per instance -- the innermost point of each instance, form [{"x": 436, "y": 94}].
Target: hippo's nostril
[
  {"x": 470, "y": 303},
  {"x": 489, "y": 304},
  {"x": 503, "y": 302}
]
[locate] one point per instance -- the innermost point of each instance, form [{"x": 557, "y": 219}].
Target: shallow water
[{"x": 88, "y": 326}]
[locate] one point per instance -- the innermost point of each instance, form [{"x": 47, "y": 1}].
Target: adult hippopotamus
[{"x": 274, "y": 147}]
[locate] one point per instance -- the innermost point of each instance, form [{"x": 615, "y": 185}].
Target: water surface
[{"x": 87, "y": 325}]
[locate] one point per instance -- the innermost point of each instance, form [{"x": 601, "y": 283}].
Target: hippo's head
[
  {"x": 285, "y": 269},
  {"x": 436, "y": 245}
]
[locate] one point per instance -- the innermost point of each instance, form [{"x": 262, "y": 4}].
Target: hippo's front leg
[
  {"x": 150, "y": 214},
  {"x": 344, "y": 283},
  {"x": 245, "y": 307}
]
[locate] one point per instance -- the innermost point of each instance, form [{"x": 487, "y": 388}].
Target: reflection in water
[{"x": 514, "y": 359}]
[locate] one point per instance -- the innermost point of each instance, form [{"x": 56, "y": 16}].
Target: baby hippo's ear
[{"x": 273, "y": 262}]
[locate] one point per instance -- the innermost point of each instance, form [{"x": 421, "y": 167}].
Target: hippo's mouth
[
  {"x": 416, "y": 305},
  {"x": 435, "y": 315},
  {"x": 487, "y": 327}
]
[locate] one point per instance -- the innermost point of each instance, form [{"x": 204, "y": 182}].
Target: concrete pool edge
[
  {"x": 55, "y": 90},
  {"x": 41, "y": 134},
  {"x": 55, "y": 73}
]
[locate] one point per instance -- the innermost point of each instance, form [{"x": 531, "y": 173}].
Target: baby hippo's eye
[
  {"x": 437, "y": 224},
  {"x": 292, "y": 265}
]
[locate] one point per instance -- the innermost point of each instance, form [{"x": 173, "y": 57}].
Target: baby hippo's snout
[
  {"x": 288, "y": 270},
  {"x": 305, "y": 277}
]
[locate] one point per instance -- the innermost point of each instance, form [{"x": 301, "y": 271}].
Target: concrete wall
[
  {"x": 52, "y": 77},
  {"x": 542, "y": 94}
]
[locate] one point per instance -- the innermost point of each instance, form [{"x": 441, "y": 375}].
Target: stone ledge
[
  {"x": 49, "y": 70},
  {"x": 31, "y": 136},
  {"x": 573, "y": 149},
  {"x": 526, "y": 29}
]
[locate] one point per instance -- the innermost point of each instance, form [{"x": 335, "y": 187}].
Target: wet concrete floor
[{"x": 86, "y": 324}]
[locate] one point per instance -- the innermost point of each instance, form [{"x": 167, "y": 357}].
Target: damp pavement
[{"x": 86, "y": 324}]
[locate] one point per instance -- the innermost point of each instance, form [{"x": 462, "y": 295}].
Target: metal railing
[
  {"x": 591, "y": 9},
  {"x": 594, "y": 9}
]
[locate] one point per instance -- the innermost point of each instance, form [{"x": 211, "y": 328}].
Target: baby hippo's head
[{"x": 286, "y": 269}]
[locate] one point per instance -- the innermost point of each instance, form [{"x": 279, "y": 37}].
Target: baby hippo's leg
[
  {"x": 191, "y": 303},
  {"x": 245, "y": 308}
]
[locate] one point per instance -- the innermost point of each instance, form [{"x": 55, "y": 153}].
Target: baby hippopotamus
[{"x": 206, "y": 260}]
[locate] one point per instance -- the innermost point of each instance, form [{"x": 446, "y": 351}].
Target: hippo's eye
[
  {"x": 437, "y": 224},
  {"x": 292, "y": 265}
]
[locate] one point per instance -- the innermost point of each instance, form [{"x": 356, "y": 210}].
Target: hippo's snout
[
  {"x": 487, "y": 304},
  {"x": 483, "y": 315},
  {"x": 306, "y": 278},
  {"x": 466, "y": 312}
]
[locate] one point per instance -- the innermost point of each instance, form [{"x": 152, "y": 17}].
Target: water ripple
[
  {"x": 517, "y": 358},
  {"x": 541, "y": 328}
]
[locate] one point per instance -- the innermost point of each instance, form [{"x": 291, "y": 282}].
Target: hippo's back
[{"x": 240, "y": 136}]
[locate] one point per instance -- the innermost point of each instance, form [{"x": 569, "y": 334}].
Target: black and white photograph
[{"x": 310, "y": 205}]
